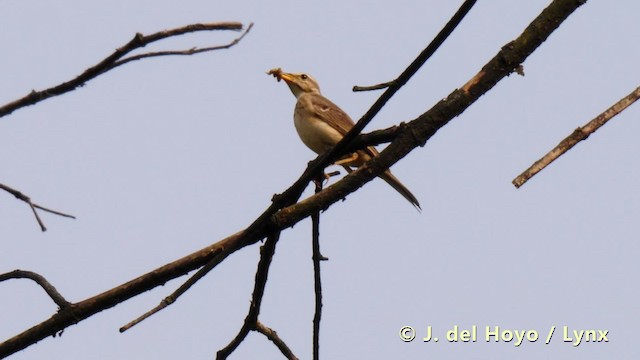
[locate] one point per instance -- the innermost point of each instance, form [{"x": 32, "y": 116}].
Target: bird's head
[{"x": 301, "y": 83}]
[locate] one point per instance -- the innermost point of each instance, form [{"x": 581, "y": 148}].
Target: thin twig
[
  {"x": 117, "y": 58},
  {"x": 317, "y": 257},
  {"x": 375, "y": 137},
  {"x": 40, "y": 280},
  {"x": 403, "y": 78},
  {"x": 187, "y": 52},
  {"x": 579, "y": 134},
  {"x": 20, "y": 196},
  {"x": 380, "y": 86},
  {"x": 393, "y": 85},
  {"x": 251, "y": 321},
  {"x": 266, "y": 255},
  {"x": 273, "y": 336},
  {"x": 53, "y": 211},
  {"x": 181, "y": 290},
  {"x": 35, "y": 213}
]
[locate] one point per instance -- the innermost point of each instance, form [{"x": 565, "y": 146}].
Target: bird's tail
[{"x": 396, "y": 184}]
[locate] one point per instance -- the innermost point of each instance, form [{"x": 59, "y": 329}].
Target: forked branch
[
  {"x": 251, "y": 321},
  {"x": 118, "y": 57},
  {"x": 426, "y": 53},
  {"x": 19, "y": 195}
]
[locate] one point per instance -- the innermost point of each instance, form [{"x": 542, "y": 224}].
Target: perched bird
[{"x": 321, "y": 124}]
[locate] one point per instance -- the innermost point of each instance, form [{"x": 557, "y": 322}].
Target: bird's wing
[
  {"x": 337, "y": 118},
  {"x": 331, "y": 114}
]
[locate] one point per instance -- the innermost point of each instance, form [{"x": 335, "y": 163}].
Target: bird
[{"x": 321, "y": 124}]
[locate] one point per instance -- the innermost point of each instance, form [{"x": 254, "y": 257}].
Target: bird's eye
[{"x": 304, "y": 76}]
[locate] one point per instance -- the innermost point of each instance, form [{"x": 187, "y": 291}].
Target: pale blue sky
[{"x": 160, "y": 158}]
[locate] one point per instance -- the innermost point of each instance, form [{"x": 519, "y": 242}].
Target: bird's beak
[
  {"x": 292, "y": 82},
  {"x": 288, "y": 78}
]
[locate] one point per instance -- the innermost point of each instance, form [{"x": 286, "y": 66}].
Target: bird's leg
[
  {"x": 320, "y": 180},
  {"x": 324, "y": 178},
  {"x": 346, "y": 160}
]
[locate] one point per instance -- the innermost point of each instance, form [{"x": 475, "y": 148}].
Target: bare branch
[
  {"x": 187, "y": 52},
  {"x": 20, "y": 196},
  {"x": 426, "y": 53},
  {"x": 176, "y": 294},
  {"x": 579, "y": 134},
  {"x": 273, "y": 336},
  {"x": 402, "y": 79},
  {"x": 317, "y": 280},
  {"x": 250, "y": 322},
  {"x": 375, "y": 137},
  {"x": 380, "y": 86},
  {"x": 117, "y": 58},
  {"x": 40, "y": 280}
]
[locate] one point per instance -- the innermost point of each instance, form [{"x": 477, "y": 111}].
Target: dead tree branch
[
  {"x": 426, "y": 53},
  {"x": 20, "y": 196},
  {"x": 40, "y": 280},
  {"x": 373, "y": 138},
  {"x": 579, "y": 134},
  {"x": 317, "y": 279},
  {"x": 283, "y": 213},
  {"x": 118, "y": 58},
  {"x": 273, "y": 336},
  {"x": 251, "y": 321},
  {"x": 187, "y": 52},
  {"x": 176, "y": 294}
]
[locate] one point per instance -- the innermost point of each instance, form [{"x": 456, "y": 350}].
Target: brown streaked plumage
[{"x": 321, "y": 124}]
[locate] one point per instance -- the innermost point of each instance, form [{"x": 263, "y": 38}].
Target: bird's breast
[{"x": 315, "y": 133}]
